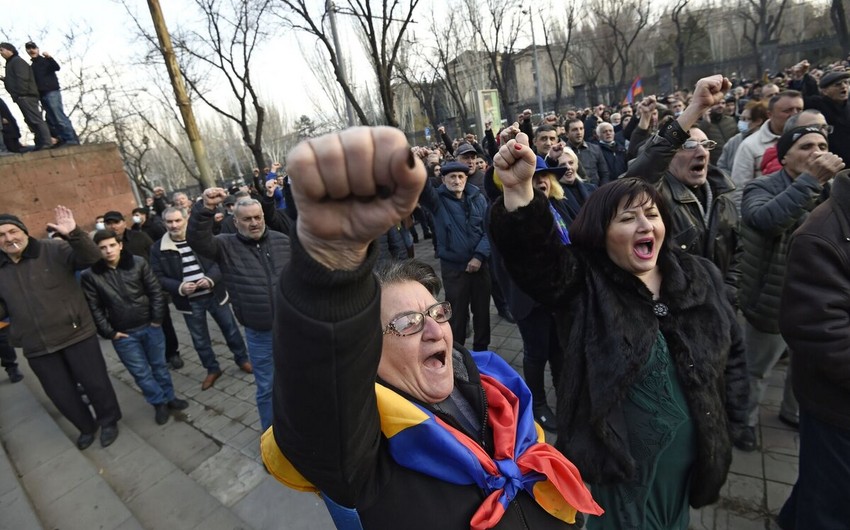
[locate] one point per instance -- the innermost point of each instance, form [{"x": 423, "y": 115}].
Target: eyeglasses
[
  {"x": 413, "y": 322},
  {"x": 827, "y": 129},
  {"x": 692, "y": 144}
]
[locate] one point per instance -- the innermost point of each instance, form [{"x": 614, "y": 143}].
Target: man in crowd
[
  {"x": 20, "y": 84},
  {"x": 613, "y": 151},
  {"x": 44, "y": 68},
  {"x": 458, "y": 209},
  {"x": 149, "y": 223},
  {"x": 813, "y": 319},
  {"x": 251, "y": 262},
  {"x": 467, "y": 155},
  {"x": 590, "y": 155},
  {"x": 51, "y": 321},
  {"x": 139, "y": 244},
  {"x": 544, "y": 138},
  {"x": 747, "y": 164},
  {"x": 773, "y": 207},
  {"x": 832, "y": 102},
  {"x": 127, "y": 304},
  {"x": 719, "y": 128},
  {"x": 196, "y": 288}
]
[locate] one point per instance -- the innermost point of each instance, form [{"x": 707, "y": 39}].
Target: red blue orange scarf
[{"x": 521, "y": 460}]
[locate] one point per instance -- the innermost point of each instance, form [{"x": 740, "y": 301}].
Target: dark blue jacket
[
  {"x": 44, "y": 70},
  {"x": 459, "y": 224},
  {"x": 167, "y": 265}
]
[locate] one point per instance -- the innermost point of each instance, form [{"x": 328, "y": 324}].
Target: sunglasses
[{"x": 708, "y": 145}]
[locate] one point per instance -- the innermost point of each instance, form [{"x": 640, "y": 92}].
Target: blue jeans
[
  {"x": 819, "y": 498},
  {"x": 196, "y": 321},
  {"x": 59, "y": 124},
  {"x": 143, "y": 353},
  {"x": 260, "y": 350}
]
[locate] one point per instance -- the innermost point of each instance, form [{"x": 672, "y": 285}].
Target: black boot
[
  {"x": 15, "y": 374},
  {"x": 534, "y": 373}
]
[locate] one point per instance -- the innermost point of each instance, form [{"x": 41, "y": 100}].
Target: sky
[{"x": 284, "y": 76}]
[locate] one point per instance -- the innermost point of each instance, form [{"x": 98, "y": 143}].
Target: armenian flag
[{"x": 634, "y": 91}]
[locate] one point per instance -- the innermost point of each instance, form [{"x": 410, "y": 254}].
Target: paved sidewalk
[{"x": 758, "y": 484}]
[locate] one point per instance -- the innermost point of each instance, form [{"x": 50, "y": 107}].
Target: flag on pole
[{"x": 634, "y": 91}]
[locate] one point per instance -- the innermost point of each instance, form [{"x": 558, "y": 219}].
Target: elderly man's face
[
  {"x": 13, "y": 240},
  {"x": 250, "y": 221},
  {"x": 838, "y": 91},
  {"x": 419, "y": 364}
]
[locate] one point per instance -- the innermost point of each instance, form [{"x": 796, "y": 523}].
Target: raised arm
[
  {"x": 199, "y": 234},
  {"x": 328, "y": 343}
]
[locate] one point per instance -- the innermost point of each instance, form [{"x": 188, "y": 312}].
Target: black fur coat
[{"x": 608, "y": 327}]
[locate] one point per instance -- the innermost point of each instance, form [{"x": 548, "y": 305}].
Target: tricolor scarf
[{"x": 421, "y": 441}]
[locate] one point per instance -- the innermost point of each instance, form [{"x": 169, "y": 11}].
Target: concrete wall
[{"x": 89, "y": 179}]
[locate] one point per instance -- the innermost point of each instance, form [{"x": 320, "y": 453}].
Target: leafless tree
[
  {"x": 618, "y": 24},
  {"x": 838, "y": 16},
  {"x": 557, "y": 35},
  {"x": 381, "y": 32},
  {"x": 762, "y": 23},
  {"x": 447, "y": 35}
]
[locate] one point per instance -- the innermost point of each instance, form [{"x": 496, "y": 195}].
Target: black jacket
[
  {"x": 44, "y": 70},
  {"x": 327, "y": 346},
  {"x": 137, "y": 243},
  {"x": 608, "y": 328},
  {"x": 615, "y": 157},
  {"x": 125, "y": 298},
  {"x": 772, "y": 208},
  {"x": 20, "y": 81},
  {"x": 837, "y": 115},
  {"x": 814, "y": 316},
  {"x": 717, "y": 238},
  {"x": 167, "y": 266},
  {"x": 251, "y": 268}
]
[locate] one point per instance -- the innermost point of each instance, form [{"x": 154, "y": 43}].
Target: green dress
[{"x": 663, "y": 443}]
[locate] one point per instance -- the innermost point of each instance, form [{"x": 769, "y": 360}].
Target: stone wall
[{"x": 89, "y": 179}]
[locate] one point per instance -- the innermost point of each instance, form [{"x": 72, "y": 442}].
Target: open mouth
[
  {"x": 698, "y": 167},
  {"x": 438, "y": 360},
  {"x": 644, "y": 248}
]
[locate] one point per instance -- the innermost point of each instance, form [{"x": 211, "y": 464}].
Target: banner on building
[{"x": 488, "y": 110}]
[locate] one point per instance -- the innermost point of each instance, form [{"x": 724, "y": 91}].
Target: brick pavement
[{"x": 758, "y": 484}]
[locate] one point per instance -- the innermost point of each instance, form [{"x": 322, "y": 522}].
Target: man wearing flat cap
[
  {"x": 773, "y": 207},
  {"x": 51, "y": 321},
  {"x": 832, "y": 102},
  {"x": 459, "y": 209}
]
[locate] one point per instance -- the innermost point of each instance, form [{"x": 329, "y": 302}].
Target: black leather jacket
[
  {"x": 715, "y": 238},
  {"x": 124, "y": 298}
]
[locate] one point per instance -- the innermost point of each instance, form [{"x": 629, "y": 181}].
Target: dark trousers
[
  {"x": 820, "y": 496},
  {"x": 540, "y": 344},
  {"x": 8, "y": 358},
  {"x": 60, "y": 371},
  {"x": 465, "y": 290},
  {"x": 31, "y": 110},
  {"x": 172, "y": 347}
]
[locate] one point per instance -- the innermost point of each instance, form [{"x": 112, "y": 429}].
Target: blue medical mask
[{"x": 743, "y": 126}]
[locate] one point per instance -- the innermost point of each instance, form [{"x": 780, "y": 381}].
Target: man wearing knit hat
[
  {"x": 51, "y": 321},
  {"x": 20, "y": 83},
  {"x": 772, "y": 208}
]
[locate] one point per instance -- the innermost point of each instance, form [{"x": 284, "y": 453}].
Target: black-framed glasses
[
  {"x": 827, "y": 129},
  {"x": 413, "y": 322},
  {"x": 692, "y": 144}
]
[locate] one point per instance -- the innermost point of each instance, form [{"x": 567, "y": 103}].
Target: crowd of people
[{"x": 659, "y": 257}]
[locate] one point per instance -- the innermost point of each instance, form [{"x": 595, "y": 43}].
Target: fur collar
[{"x": 125, "y": 262}]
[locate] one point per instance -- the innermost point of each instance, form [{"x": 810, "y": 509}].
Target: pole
[
  {"x": 182, "y": 97},
  {"x": 331, "y": 9},
  {"x": 536, "y": 65}
]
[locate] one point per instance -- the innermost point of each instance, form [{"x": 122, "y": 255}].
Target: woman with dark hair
[{"x": 649, "y": 369}]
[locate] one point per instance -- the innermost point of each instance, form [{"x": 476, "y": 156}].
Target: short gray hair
[
  {"x": 171, "y": 209},
  {"x": 792, "y": 121},
  {"x": 409, "y": 270},
  {"x": 247, "y": 201}
]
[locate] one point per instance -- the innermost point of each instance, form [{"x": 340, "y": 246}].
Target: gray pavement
[{"x": 203, "y": 470}]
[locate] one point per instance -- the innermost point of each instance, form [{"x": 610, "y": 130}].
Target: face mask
[
  {"x": 137, "y": 219},
  {"x": 100, "y": 226},
  {"x": 677, "y": 113},
  {"x": 743, "y": 126}
]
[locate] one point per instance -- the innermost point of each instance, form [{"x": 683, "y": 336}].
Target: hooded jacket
[
  {"x": 125, "y": 298},
  {"x": 41, "y": 296}
]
